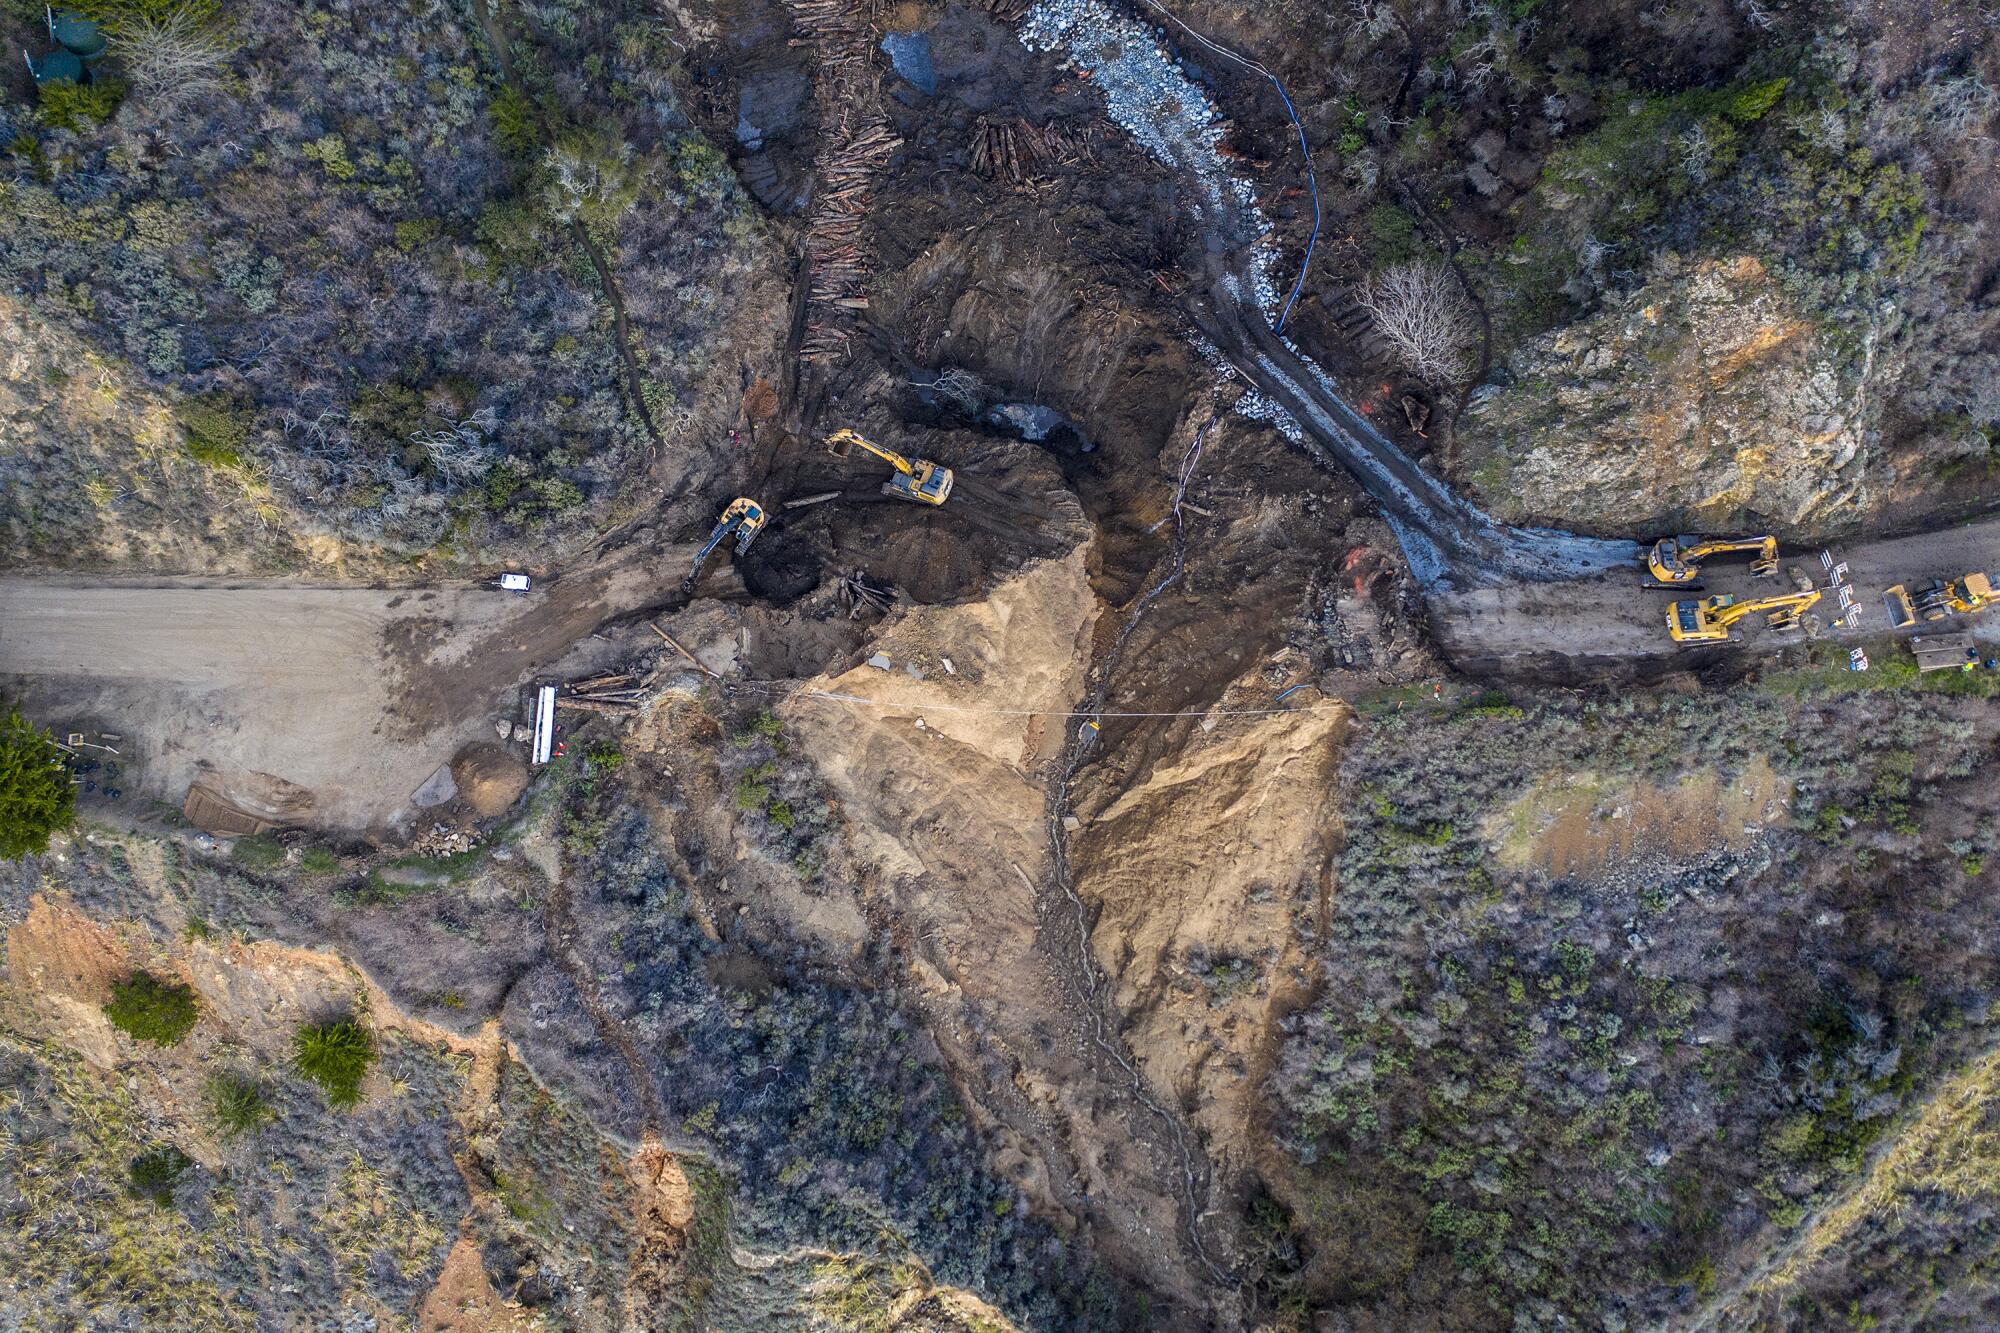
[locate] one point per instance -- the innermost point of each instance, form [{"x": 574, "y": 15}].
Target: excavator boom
[
  {"x": 1678, "y": 559},
  {"x": 1698, "y": 620},
  {"x": 843, "y": 441},
  {"x": 745, "y": 518},
  {"x": 917, "y": 479}
]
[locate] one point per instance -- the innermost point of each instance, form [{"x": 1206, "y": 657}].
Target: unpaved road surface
[
  {"x": 334, "y": 703},
  {"x": 1611, "y": 621}
]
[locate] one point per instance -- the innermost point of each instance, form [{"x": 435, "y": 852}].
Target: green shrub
[
  {"x": 36, "y": 798},
  {"x": 502, "y": 484},
  {"x": 318, "y": 861},
  {"x": 148, "y": 1009},
  {"x": 336, "y": 1056},
  {"x": 753, "y": 789},
  {"x": 514, "y": 128},
  {"x": 1493, "y": 703},
  {"x": 415, "y": 233},
  {"x": 217, "y": 429},
  {"x": 77, "y": 106},
  {"x": 1748, "y": 106},
  {"x": 155, "y": 1172},
  {"x": 258, "y": 853},
  {"x": 330, "y": 151},
  {"x": 237, "y": 1103},
  {"x": 1393, "y": 235}
]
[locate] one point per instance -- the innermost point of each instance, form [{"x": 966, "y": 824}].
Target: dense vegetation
[
  {"x": 1556, "y": 151},
  {"x": 825, "y": 1100},
  {"x": 361, "y": 291},
  {"x": 1586, "y": 1037}
]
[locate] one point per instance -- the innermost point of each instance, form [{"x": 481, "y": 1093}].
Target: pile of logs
[
  {"x": 614, "y": 694},
  {"x": 859, "y": 595},
  {"x": 1018, "y": 151},
  {"x": 855, "y": 143}
]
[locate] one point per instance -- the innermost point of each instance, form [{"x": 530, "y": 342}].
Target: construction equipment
[
  {"x": 745, "y": 518},
  {"x": 916, "y": 479},
  {"x": 1707, "y": 620},
  {"x": 1676, "y": 560},
  {"x": 1963, "y": 596}
]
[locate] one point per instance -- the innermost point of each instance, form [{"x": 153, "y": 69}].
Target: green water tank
[
  {"x": 77, "y": 35},
  {"x": 58, "y": 67}
]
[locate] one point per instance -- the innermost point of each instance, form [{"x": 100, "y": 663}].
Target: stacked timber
[{"x": 856, "y": 142}]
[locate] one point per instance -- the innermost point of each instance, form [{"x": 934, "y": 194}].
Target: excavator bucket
[{"x": 1896, "y": 601}]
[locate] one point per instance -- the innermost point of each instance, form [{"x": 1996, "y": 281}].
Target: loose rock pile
[{"x": 444, "y": 840}]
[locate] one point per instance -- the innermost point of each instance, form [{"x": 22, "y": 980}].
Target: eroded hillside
[{"x": 1251, "y": 857}]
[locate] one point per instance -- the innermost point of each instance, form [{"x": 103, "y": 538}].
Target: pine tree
[{"x": 36, "y": 798}]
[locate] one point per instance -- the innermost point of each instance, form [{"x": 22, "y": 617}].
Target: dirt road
[
  {"x": 1611, "y": 623},
  {"x": 333, "y": 704}
]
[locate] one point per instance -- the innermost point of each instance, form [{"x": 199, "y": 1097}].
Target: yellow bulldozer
[
  {"x": 1676, "y": 560},
  {"x": 1963, "y": 596},
  {"x": 1708, "y": 620},
  {"x": 916, "y": 479}
]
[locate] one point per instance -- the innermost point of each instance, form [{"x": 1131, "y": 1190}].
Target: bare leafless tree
[
  {"x": 460, "y": 452},
  {"x": 172, "y": 56},
  {"x": 1422, "y": 311},
  {"x": 1961, "y": 108},
  {"x": 1755, "y": 14},
  {"x": 957, "y": 384},
  {"x": 1697, "y": 152}
]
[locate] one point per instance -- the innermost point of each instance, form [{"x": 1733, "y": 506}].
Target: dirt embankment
[
  {"x": 1208, "y": 876},
  {"x": 939, "y": 780}
]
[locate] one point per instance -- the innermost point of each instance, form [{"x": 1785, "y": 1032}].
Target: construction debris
[
  {"x": 1019, "y": 151},
  {"x": 859, "y": 595}
]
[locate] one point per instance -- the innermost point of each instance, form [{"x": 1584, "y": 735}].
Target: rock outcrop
[{"x": 1704, "y": 400}]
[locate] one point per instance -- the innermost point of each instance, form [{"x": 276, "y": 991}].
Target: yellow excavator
[
  {"x": 1707, "y": 620},
  {"x": 1963, "y": 596},
  {"x": 916, "y": 479},
  {"x": 1678, "y": 559},
  {"x": 745, "y": 518}
]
